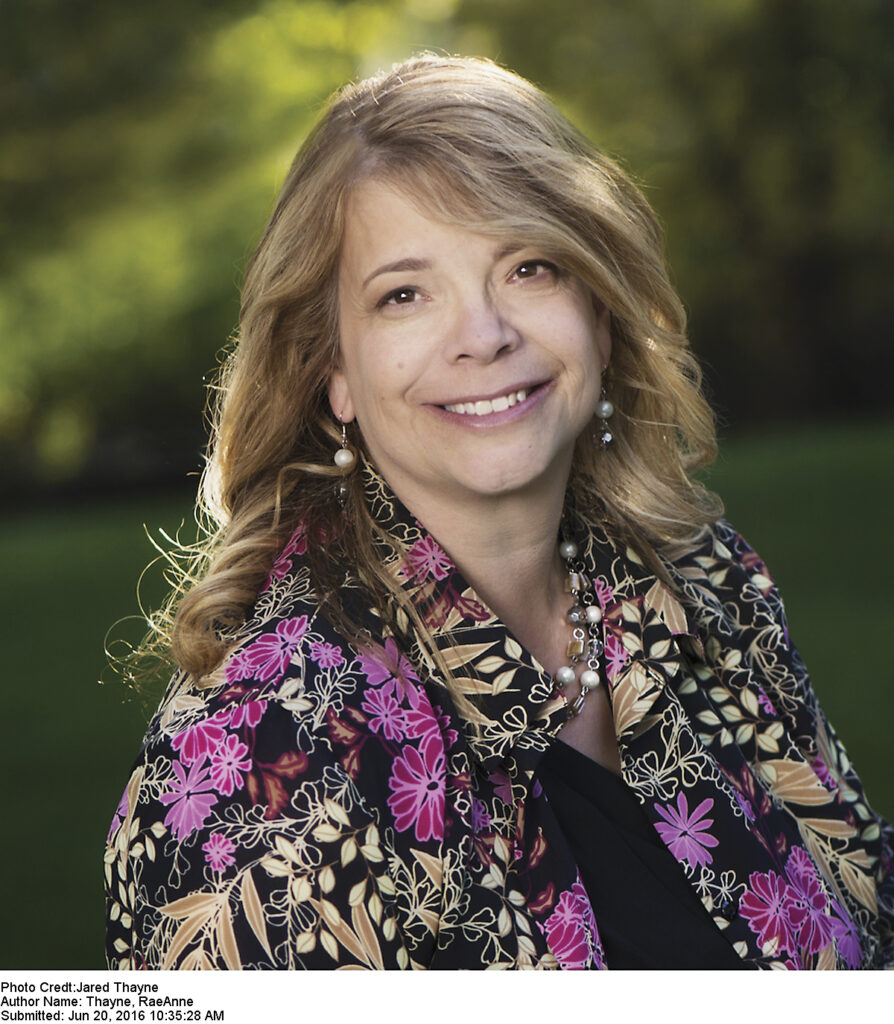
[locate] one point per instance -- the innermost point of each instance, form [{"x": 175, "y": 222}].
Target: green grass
[{"x": 815, "y": 503}]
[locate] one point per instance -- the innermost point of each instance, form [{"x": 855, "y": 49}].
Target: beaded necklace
[{"x": 585, "y": 617}]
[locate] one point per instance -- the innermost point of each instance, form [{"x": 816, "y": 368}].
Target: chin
[{"x": 515, "y": 479}]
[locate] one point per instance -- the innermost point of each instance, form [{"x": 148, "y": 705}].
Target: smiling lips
[{"x": 486, "y": 406}]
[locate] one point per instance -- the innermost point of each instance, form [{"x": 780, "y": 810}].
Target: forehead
[{"x": 385, "y": 221}]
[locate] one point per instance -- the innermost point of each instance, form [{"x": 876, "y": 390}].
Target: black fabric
[{"x": 649, "y": 916}]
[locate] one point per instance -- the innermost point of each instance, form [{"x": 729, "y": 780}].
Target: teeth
[{"x": 484, "y": 408}]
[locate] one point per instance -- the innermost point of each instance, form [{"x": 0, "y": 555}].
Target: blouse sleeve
[
  {"x": 234, "y": 848},
  {"x": 870, "y": 854}
]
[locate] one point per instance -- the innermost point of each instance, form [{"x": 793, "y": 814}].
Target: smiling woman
[{"x": 470, "y": 673}]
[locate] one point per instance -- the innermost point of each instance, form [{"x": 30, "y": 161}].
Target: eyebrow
[
  {"x": 408, "y": 263},
  {"x": 419, "y": 263}
]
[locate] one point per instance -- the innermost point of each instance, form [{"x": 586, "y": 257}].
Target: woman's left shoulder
[{"x": 723, "y": 563}]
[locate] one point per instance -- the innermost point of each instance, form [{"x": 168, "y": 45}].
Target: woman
[{"x": 462, "y": 403}]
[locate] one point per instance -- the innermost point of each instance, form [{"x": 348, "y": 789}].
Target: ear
[
  {"x": 340, "y": 396},
  {"x": 602, "y": 331}
]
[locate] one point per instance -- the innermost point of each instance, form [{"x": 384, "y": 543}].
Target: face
[{"x": 471, "y": 365}]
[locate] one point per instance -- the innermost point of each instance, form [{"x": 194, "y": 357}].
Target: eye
[
  {"x": 398, "y": 297},
  {"x": 535, "y": 268}
]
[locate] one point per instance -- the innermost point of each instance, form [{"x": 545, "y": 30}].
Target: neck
[{"x": 506, "y": 546}]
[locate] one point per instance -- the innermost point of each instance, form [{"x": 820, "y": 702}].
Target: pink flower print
[
  {"x": 430, "y": 725},
  {"x": 765, "y": 702},
  {"x": 325, "y": 655},
  {"x": 417, "y": 793},
  {"x": 269, "y": 655},
  {"x": 219, "y": 851},
  {"x": 603, "y": 591},
  {"x": 237, "y": 668},
  {"x": 249, "y": 713},
  {"x": 765, "y": 906},
  {"x": 566, "y": 929},
  {"x": 191, "y": 799},
  {"x": 616, "y": 656},
  {"x": 385, "y": 714},
  {"x": 846, "y": 937},
  {"x": 297, "y": 545},
  {"x": 822, "y": 772},
  {"x": 228, "y": 763},
  {"x": 196, "y": 743},
  {"x": 807, "y": 910},
  {"x": 383, "y": 663},
  {"x": 686, "y": 834},
  {"x": 799, "y": 868},
  {"x": 480, "y": 817},
  {"x": 425, "y": 558}
]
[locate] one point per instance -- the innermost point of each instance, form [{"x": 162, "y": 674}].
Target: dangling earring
[
  {"x": 604, "y": 410},
  {"x": 344, "y": 458}
]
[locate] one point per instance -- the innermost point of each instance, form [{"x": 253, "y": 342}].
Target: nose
[{"x": 482, "y": 331}]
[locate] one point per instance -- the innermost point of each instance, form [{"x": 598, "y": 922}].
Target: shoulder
[{"x": 722, "y": 576}]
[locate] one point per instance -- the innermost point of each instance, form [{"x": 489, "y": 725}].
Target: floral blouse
[{"x": 325, "y": 805}]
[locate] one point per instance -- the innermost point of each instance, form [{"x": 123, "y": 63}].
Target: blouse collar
[{"x": 509, "y": 704}]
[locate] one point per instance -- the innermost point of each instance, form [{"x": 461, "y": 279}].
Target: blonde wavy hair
[{"x": 482, "y": 148}]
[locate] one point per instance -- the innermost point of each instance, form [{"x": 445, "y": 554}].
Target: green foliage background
[{"x": 141, "y": 148}]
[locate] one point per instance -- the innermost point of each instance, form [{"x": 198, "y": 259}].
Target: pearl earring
[
  {"x": 344, "y": 458},
  {"x": 604, "y": 410}
]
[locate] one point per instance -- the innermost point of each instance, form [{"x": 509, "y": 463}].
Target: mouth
[{"x": 488, "y": 406}]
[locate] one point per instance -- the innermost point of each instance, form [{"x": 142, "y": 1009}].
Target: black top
[{"x": 648, "y": 914}]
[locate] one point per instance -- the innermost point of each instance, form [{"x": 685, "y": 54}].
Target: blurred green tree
[{"x": 141, "y": 148}]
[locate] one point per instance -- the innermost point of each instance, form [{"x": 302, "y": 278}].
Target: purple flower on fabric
[
  {"x": 765, "y": 702},
  {"x": 426, "y": 558},
  {"x": 799, "y": 868},
  {"x": 745, "y": 804},
  {"x": 502, "y": 784},
  {"x": 196, "y": 743},
  {"x": 766, "y": 907},
  {"x": 566, "y": 930},
  {"x": 480, "y": 817},
  {"x": 385, "y": 714},
  {"x": 119, "y": 816},
  {"x": 807, "y": 910},
  {"x": 219, "y": 851},
  {"x": 191, "y": 799},
  {"x": 686, "y": 834},
  {"x": 603, "y": 591},
  {"x": 417, "y": 793},
  {"x": 269, "y": 655},
  {"x": 847, "y": 938},
  {"x": 324, "y": 654},
  {"x": 383, "y": 663},
  {"x": 228, "y": 763},
  {"x": 823, "y": 773},
  {"x": 249, "y": 713}
]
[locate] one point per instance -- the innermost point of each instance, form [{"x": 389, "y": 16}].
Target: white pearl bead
[
  {"x": 593, "y": 613},
  {"x": 604, "y": 409},
  {"x": 568, "y": 549},
  {"x": 565, "y": 675},
  {"x": 590, "y": 679},
  {"x": 343, "y": 458}
]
